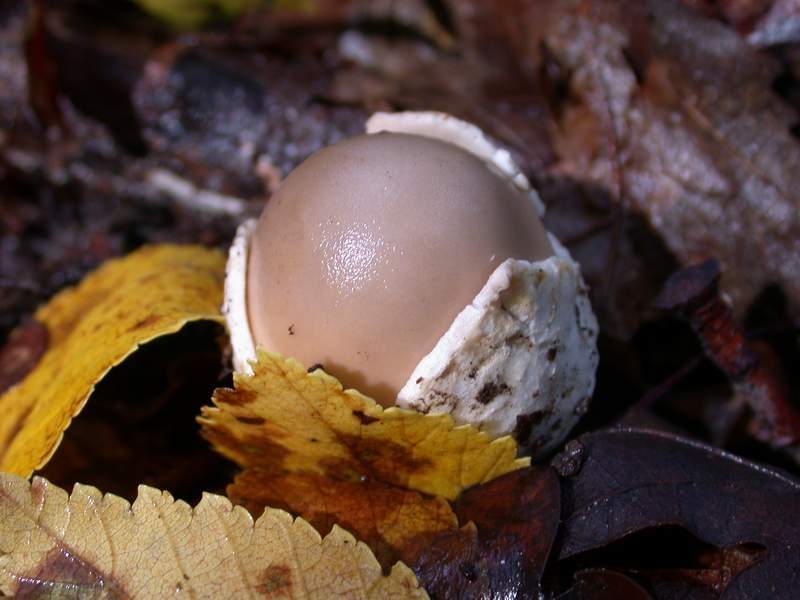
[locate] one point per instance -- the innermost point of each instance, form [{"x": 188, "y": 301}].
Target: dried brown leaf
[
  {"x": 387, "y": 518},
  {"x": 675, "y": 114}
]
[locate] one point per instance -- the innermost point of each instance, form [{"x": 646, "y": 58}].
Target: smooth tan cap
[{"x": 371, "y": 247}]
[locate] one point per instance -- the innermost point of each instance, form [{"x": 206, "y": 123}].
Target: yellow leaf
[
  {"x": 283, "y": 419},
  {"x": 93, "y": 327},
  {"x": 92, "y": 546}
]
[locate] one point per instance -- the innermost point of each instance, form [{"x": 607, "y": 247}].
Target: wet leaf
[
  {"x": 604, "y": 584},
  {"x": 92, "y": 328},
  {"x": 634, "y": 480},
  {"x": 88, "y": 545},
  {"x": 502, "y": 549}
]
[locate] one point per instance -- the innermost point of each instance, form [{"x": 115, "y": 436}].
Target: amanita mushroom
[{"x": 412, "y": 264}]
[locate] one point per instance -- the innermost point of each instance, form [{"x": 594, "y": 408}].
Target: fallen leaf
[
  {"x": 283, "y": 419},
  {"x": 335, "y": 456},
  {"x": 635, "y": 480},
  {"x": 387, "y": 518},
  {"x": 93, "y": 327},
  {"x": 675, "y": 114},
  {"x": 142, "y": 415},
  {"x": 503, "y": 548},
  {"x": 88, "y": 545}
]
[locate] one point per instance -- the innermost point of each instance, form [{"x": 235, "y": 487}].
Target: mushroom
[{"x": 412, "y": 264}]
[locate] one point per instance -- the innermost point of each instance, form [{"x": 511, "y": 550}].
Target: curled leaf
[
  {"x": 93, "y": 327},
  {"x": 89, "y": 545}
]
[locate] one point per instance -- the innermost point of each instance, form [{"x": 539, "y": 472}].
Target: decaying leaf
[
  {"x": 501, "y": 551},
  {"x": 387, "y": 518},
  {"x": 335, "y": 456},
  {"x": 628, "y": 481},
  {"x": 93, "y": 327},
  {"x": 87, "y": 545},
  {"x": 283, "y": 419},
  {"x": 676, "y": 115},
  {"x": 604, "y": 584}
]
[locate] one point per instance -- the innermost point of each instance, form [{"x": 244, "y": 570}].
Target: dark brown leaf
[
  {"x": 633, "y": 480},
  {"x": 502, "y": 549},
  {"x": 604, "y": 584},
  {"x": 387, "y": 518}
]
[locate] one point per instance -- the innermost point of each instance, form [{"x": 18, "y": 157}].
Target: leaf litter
[
  {"x": 90, "y": 545},
  {"x": 658, "y": 135}
]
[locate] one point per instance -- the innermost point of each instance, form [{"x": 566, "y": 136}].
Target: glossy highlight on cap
[{"x": 371, "y": 247}]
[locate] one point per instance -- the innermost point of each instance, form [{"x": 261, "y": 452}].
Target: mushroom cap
[{"x": 371, "y": 247}]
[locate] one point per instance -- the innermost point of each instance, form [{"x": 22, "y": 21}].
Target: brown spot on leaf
[
  {"x": 385, "y": 517},
  {"x": 239, "y": 397},
  {"x": 251, "y": 420},
  {"x": 365, "y": 419},
  {"x": 264, "y": 452},
  {"x": 276, "y": 580},
  {"x": 62, "y": 573},
  {"x": 381, "y": 460},
  {"x": 490, "y": 391},
  {"x": 148, "y": 321}
]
